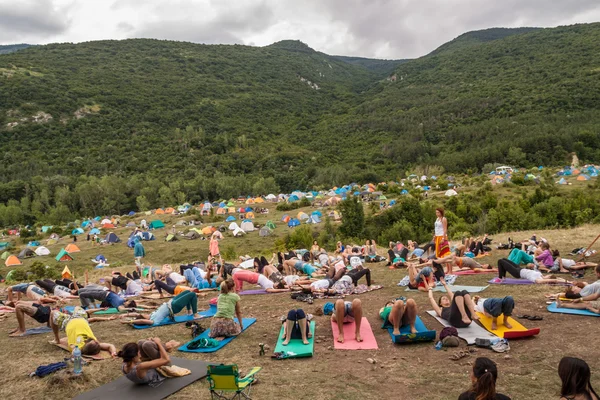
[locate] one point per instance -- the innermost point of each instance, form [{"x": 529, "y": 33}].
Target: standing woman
[
  {"x": 483, "y": 378},
  {"x": 575, "y": 376},
  {"x": 213, "y": 247},
  {"x": 440, "y": 232}
]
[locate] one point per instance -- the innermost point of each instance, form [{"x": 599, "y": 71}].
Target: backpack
[{"x": 448, "y": 331}]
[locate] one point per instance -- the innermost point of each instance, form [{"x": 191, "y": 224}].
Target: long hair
[
  {"x": 575, "y": 376},
  {"x": 227, "y": 285},
  {"x": 486, "y": 373},
  {"x": 129, "y": 352},
  {"x": 258, "y": 265},
  {"x": 441, "y": 210}
]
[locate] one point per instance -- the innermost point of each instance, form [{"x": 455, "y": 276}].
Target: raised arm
[
  {"x": 434, "y": 304},
  {"x": 450, "y": 294}
]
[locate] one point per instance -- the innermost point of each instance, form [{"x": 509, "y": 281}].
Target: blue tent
[
  {"x": 77, "y": 231},
  {"x": 293, "y": 198},
  {"x": 248, "y": 209},
  {"x": 97, "y": 218},
  {"x": 46, "y": 228},
  {"x": 133, "y": 239},
  {"x": 404, "y": 191},
  {"x": 562, "y": 181},
  {"x": 314, "y": 219},
  {"x": 100, "y": 258},
  {"x": 357, "y": 193},
  {"x": 95, "y": 231},
  {"x": 426, "y": 188},
  {"x": 293, "y": 222},
  {"x": 112, "y": 238},
  {"x": 317, "y": 213},
  {"x": 131, "y": 213},
  {"x": 568, "y": 172},
  {"x": 231, "y": 218},
  {"x": 222, "y": 204},
  {"x": 392, "y": 202},
  {"x": 85, "y": 224},
  {"x": 34, "y": 243}
]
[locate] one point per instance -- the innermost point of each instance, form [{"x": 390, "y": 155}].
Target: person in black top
[
  {"x": 575, "y": 376},
  {"x": 483, "y": 377}
]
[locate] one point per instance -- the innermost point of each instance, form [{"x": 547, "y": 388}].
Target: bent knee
[{"x": 411, "y": 303}]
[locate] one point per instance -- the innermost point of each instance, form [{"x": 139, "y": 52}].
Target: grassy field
[{"x": 416, "y": 371}]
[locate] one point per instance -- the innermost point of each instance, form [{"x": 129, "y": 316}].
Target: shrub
[{"x": 229, "y": 253}]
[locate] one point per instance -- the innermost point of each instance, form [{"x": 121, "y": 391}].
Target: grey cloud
[
  {"x": 31, "y": 20},
  {"x": 125, "y": 27},
  {"x": 188, "y": 31}
]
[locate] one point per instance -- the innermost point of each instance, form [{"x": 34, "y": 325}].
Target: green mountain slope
[
  {"x": 475, "y": 38},
  {"x": 11, "y": 48},
  {"x": 380, "y": 67}
]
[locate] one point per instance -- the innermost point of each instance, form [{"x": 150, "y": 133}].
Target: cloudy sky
[{"x": 369, "y": 28}]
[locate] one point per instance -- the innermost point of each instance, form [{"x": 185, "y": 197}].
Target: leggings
[
  {"x": 185, "y": 299},
  {"x": 356, "y": 274},
  {"x": 133, "y": 277},
  {"x": 47, "y": 285},
  {"x": 297, "y": 315},
  {"x": 518, "y": 257},
  {"x": 454, "y": 317},
  {"x": 476, "y": 248},
  {"x": 160, "y": 285},
  {"x": 505, "y": 265}
]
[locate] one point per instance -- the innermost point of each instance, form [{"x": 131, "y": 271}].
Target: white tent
[
  {"x": 247, "y": 226},
  {"x": 238, "y": 232},
  {"x": 42, "y": 251},
  {"x": 233, "y": 226},
  {"x": 206, "y": 206},
  {"x": 106, "y": 221},
  {"x": 451, "y": 192},
  {"x": 270, "y": 197}
]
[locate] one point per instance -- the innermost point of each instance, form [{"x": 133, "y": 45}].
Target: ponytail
[
  {"x": 227, "y": 285},
  {"x": 129, "y": 352},
  {"x": 486, "y": 373}
]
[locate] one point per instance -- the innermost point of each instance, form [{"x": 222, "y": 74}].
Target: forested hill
[
  {"x": 11, "y": 48},
  {"x": 475, "y": 38},
  {"x": 172, "y": 120}
]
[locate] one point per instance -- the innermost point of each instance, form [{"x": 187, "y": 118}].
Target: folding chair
[{"x": 225, "y": 378}]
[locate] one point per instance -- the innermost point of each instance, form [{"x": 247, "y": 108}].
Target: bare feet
[
  {"x": 17, "y": 333},
  {"x": 171, "y": 344},
  {"x": 494, "y": 325},
  {"x": 475, "y": 317},
  {"x": 466, "y": 320},
  {"x": 305, "y": 341},
  {"x": 358, "y": 337},
  {"x": 396, "y": 332},
  {"x": 340, "y": 338},
  {"x": 507, "y": 324},
  {"x": 558, "y": 303},
  {"x": 285, "y": 342},
  {"x": 413, "y": 329}
]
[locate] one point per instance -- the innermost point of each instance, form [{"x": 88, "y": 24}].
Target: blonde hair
[{"x": 226, "y": 286}]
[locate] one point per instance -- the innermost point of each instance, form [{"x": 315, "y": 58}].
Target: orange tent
[
  {"x": 286, "y": 219},
  {"x": 259, "y": 200},
  {"x": 220, "y": 211},
  {"x": 66, "y": 273},
  {"x": 169, "y": 210},
  {"x": 72, "y": 248},
  {"x": 208, "y": 230},
  {"x": 108, "y": 226},
  {"x": 159, "y": 211},
  {"x": 12, "y": 261},
  {"x": 250, "y": 215},
  {"x": 250, "y": 201},
  {"x": 231, "y": 210}
]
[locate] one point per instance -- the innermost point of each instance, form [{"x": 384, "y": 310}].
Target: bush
[
  {"x": 300, "y": 238},
  {"x": 353, "y": 218},
  {"x": 41, "y": 271},
  {"x": 229, "y": 253},
  {"x": 287, "y": 206}
]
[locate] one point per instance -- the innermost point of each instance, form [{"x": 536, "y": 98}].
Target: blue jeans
[
  {"x": 192, "y": 275},
  {"x": 114, "y": 300},
  {"x": 495, "y": 307},
  {"x": 21, "y": 287}
]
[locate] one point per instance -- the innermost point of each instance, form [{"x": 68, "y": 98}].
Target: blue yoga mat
[
  {"x": 552, "y": 308},
  {"x": 246, "y": 323},
  {"x": 179, "y": 319},
  {"x": 37, "y": 330},
  {"x": 423, "y": 334}
]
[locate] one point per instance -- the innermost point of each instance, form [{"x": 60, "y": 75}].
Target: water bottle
[
  {"x": 77, "y": 364},
  {"x": 438, "y": 345}
]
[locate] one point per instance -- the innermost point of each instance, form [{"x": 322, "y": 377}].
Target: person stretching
[
  {"x": 397, "y": 314},
  {"x": 36, "y": 311},
  {"x": 495, "y": 307},
  {"x": 505, "y": 265},
  {"x": 420, "y": 280},
  {"x": 141, "y": 359},
  {"x": 32, "y": 292},
  {"x": 169, "y": 309},
  {"x": 240, "y": 276},
  {"x": 456, "y": 308},
  {"x": 296, "y": 326},
  {"x": 483, "y": 382},
  {"x": 347, "y": 312}
]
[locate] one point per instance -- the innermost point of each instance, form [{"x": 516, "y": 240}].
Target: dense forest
[{"x": 109, "y": 126}]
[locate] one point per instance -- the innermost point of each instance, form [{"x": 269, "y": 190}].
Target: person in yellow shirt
[{"x": 78, "y": 331}]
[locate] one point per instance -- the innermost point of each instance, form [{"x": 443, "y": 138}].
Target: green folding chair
[{"x": 226, "y": 379}]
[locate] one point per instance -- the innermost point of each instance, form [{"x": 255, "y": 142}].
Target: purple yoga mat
[
  {"x": 253, "y": 291},
  {"x": 510, "y": 281}
]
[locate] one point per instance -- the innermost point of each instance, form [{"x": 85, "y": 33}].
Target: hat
[{"x": 328, "y": 308}]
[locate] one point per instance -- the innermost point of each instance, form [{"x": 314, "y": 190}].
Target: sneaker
[{"x": 501, "y": 347}]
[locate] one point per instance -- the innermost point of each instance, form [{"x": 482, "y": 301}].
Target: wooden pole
[{"x": 582, "y": 257}]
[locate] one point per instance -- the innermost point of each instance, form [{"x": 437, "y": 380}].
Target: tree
[
  {"x": 353, "y": 218},
  {"x": 142, "y": 203}
]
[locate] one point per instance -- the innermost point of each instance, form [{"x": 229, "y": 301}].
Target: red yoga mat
[{"x": 350, "y": 343}]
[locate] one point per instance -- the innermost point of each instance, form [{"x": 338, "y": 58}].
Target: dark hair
[
  {"x": 91, "y": 347},
  {"x": 279, "y": 285},
  {"x": 306, "y": 257},
  {"x": 575, "y": 376},
  {"x": 258, "y": 265},
  {"x": 598, "y": 269},
  {"x": 545, "y": 245},
  {"x": 555, "y": 253},
  {"x": 280, "y": 258},
  {"x": 130, "y": 304},
  {"x": 486, "y": 373},
  {"x": 441, "y": 210},
  {"x": 570, "y": 294},
  {"x": 129, "y": 352},
  {"x": 440, "y": 299}
]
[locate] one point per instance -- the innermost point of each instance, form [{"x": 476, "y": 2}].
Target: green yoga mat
[
  {"x": 296, "y": 346},
  {"x": 111, "y": 311}
]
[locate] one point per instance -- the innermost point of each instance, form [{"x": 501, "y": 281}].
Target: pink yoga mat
[
  {"x": 350, "y": 343},
  {"x": 471, "y": 272}
]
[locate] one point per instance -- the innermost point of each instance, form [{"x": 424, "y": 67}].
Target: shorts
[
  {"x": 114, "y": 300},
  {"x": 21, "y": 287},
  {"x": 299, "y": 266},
  {"x": 276, "y": 277},
  {"x": 348, "y": 313},
  {"x": 413, "y": 287},
  {"x": 42, "y": 315}
]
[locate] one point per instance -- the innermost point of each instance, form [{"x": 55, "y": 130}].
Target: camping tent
[
  {"x": 4, "y": 245},
  {"x": 95, "y": 231},
  {"x": 562, "y": 181},
  {"x": 238, "y": 232},
  {"x": 131, "y": 224},
  {"x": 42, "y": 251},
  {"x": 169, "y": 210},
  {"x": 285, "y": 218},
  {"x": 264, "y": 231},
  {"x": 335, "y": 215},
  {"x": 111, "y": 238},
  {"x": 171, "y": 238},
  {"x": 159, "y": 211},
  {"x": 451, "y": 192},
  {"x": 12, "y": 261},
  {"x": 108, "y": 226},
  {"x": 77, "y": 231},
  {"x": 302, "y": 216},
  {"x": 271, "y": 197},
  {"x": 250, "y": 215},
  {"x": 63, "y": 255},
  {"x": 317, "y": 212},
  {"x": 313, "y": 219},
  {"x": 46, "y": 228},
  {"x": 131, "y": 213},
  {"x": 26, "y": 253},
  {"x": 332, "y": 201},
  {"x": 270, "y": 225},
  {"x": 72, "y": 248},
  {"x": 293, "y": 223},
  {"x": 5, "y": 255},
  {"x": 207, "y": 230},
  {"x": 105, "y": 221},
  {"x": 231, "y": 218},
  {"x": 192, "y": 235},
  {"x": 583, "y": 177},
  {"x": 33, "y": 243},
  {"x": 221, "y": 211},
  {"x": 233, "y": 226},
  {"x": 156, "y": 224},
  {"x": 247, "y": 226}
]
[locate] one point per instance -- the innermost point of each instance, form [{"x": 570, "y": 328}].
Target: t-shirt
[
  {"x": 479, "y": 306},
  {"x": 593, "y": 288},
  {"x": 264, "y": 282},
  {"x": 213, "y": 247},
  {"x": 226, "y": 305},
  {"x": 320, "y": 284},
  {"x": 247, "y": 264},
  {"x": 179, "y": 288},
  {"x": 62, "y": 291},
  {"x": 323, "y": 259},
  {"x": 355, "y": 262},
  {"x": 177, "y": 278},
  {"x": 78, "y": 331},
  {"x": 530, "y": 274},
  {"x": 309, "y": 269},
  {"x": 133, "y": 288},
  {"x": 469, "y": 262},
  {"x": 471, "y": 396},
  {"x": 290, "y": 279}
]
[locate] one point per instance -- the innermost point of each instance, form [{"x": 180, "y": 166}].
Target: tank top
[
  {"x": 439, "y": 227},
  {"x": 152, "y": 378}
]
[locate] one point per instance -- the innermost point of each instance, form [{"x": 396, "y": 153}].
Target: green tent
[
  {"x": 382, "y": 197},
  {"x": 171, "y": 238},
  {"x": 9, "y": 276},
  {"x": 270, "y": 225},
  {"x": 4, "y": 245},
  {"x": 156, "y": 224},
  {"x": 5, "y": 255},
  {"x": 64, "y": 256},
  {"x": 46, "y": 228},
  {"x": 230, "y": 204}
]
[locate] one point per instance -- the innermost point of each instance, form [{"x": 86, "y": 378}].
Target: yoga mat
[
  {"x": 295, "y": 345},
  {"x": 455, "y": 288},
  {"x": 112, "y": 311},
  {"x": 470, "y": 333},
  {"x": 552, "y": 308},
  {"x": 103, "y": 355},
  {"x": 179, "y": 319},
  {"x": 423, "y": 334},
  {"x": 510, "y": 281},
  {"x": 518, "y": 331},
  {"x": 253, "y": 291},
  {"x": 471, "y": 272},
  {"x": 246, "y": 323},
  {"x": 70, "y": 309},
  {"x": 155, "y": 296},
  {"x": 37, "y": 330},
  {"x": 350, "y": 343},
  {"x": 123, "y": 389}
]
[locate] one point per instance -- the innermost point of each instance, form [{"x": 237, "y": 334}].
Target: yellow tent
[
  {"x": 250, "y": 201},
  {"x": 259, "y": 200},
  {"x": 66, "y": 273},
  {"x": 208, "y": 230},
  {"x": 231, "y": 210},
  {"x": 220, "y": 211},
  {"x": 250, "y": 215}
]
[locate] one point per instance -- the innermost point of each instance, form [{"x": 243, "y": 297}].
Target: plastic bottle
[
  {"x": 77, "y": 360},
  {"x": 438, "y": 345}
]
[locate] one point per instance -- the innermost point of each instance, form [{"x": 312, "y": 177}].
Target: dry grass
[{"x": 409, "y": 372}]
